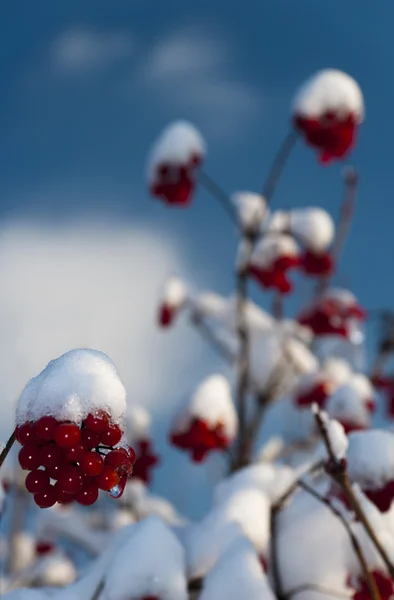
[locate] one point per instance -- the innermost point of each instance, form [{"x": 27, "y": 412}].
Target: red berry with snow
[
  {"x": 45, "y": 428},
  {"x": 111, "y": 436},
  {"x": 26, "y": 434},
  {"x": 67, "y": 435},
  {"x": 98, "y": 422}
]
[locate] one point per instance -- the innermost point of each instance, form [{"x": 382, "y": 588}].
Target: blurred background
[{"x": 85, "y": 86}]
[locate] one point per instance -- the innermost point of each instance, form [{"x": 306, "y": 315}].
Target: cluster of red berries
[
  {"x": 275, "y": 276},
  {"x": 145, "y": 462},
  {"x": 383, "y": 582},
  {"x": 333, "y": 135},
  {"x": 166, "y": 315},
  {"x": 317, "y": 264},
  {"x": 200, "y": 439},
  {"x": 330, "y": 317},
  {"x": 317, "y": 394},
  {"x": 68, "y": 462},
  {"x": 175, "y": 183}
]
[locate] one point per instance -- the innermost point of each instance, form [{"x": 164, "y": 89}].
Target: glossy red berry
[
  {"x": 25, "y": 434},
  {"x": 107, "y": 479},
  {"x": 111, "y": 436},
  {"x": 46, "y": 498},
  {"x": 92, "y": 464},
  {"x": 98, "y": 422},
  {"x": 54, "y": 471},
  {"x": 29, "y": 457},
  {"x": 90, "y": 439},
  {"x": 37, "y": 481},
  {"x": 71, "y": 480},
  {"x": 75, "y": 453},
  {"x": 88, "y": 495},
  {"x": 119, "y": 460},
  {"x": 67, "y": 435},
  {"x": 61, "y": 496},
  {"x": 50, "y": 455},
  {"x": 45, "y": 428},
  {"x": 44, "y": 547}
]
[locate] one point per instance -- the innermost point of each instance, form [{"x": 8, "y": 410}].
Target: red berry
[
  {"x": 119, "y": 460},
  {"x": 50, "y": 455},
  {"x": 37, "y": 481},
  {"x": 88, "y": 495},
  {"x": 67, "y": 435},
  {"x": 28, "y": 457},
  {"x": 90, "y": 439},
  {"x": 54, "y": 471},
  {"x": 46, "y": 498},
  {"x": 112, "y": 436},
  {"x": 75, "y": 453},
  {"x": 44, "y": 547},
  {"x": 71, "y": 480},
  {"x": 25, "y": 434},
  {"x": 61, "y": 496},
  {"x": 45, "y": 427},
  {"x": 107, "y": 479},
  {"x": 98, "y": 422},
  {"x": 92, "y": 464}
]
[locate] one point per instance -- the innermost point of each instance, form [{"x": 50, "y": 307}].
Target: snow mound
[
  {"x": 150, "y": 563},
  {"x": 252, "y": 209},
  {"x": 72, "y": 386},
  {"x": 238, "y": 574},
  {"x": 329, "y": 90},
  {"x": 371, "y": 458},
  {"x": 272, "y": 247},
  {"x": 174, "y": 292}
]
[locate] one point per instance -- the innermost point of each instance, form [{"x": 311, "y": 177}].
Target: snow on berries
[
  {"x": 252, "y": 210},
  {"x": 352, "y": 403},
  {"x": 173, "y": 163},
  {"x": 272, "y": 257},
  {"x": 69, "y": 424},
  {"x": 333, "y": 313},
  {"x": 207, "y": 421},
  {"x": 371, "y": 464},
  {"x": 172, "y": 300},
  {"x": 327, "y": 110}
]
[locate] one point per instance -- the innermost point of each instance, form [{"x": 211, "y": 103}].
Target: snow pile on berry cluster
[
  {"x": 352, "y": 403},
  {"x": 252, "y": 210},
  {"x": 313, "y": 227},
  {"x": 76, "y": 384},
  {"x": 371, "y": 458},
  {"x": 177, "y": 145},
  {"x": 173, "y": 298},
  {"x": 237, "y": 574},
  {"x": 211, "y": 403},
  {"x": 272, "y": 247},
  {"x": 329, "y": 90}
]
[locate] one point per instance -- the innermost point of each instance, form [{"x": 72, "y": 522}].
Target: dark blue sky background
[{"x": 84, "y": 89}]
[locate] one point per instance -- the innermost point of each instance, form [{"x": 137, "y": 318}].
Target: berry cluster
[
  {"x": 330, "y": 316},
  {"x": 175, "y": 183},
  {"x": 146, "y": 461},
  {"x": 275, "y": 276},
  {"x": 68, "y": 462},
  {"x": 200, "y": 439}
]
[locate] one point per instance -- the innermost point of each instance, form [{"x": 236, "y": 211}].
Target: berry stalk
[{"x": 7, "y": 448}]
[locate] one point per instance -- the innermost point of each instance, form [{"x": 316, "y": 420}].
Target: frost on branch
[
  {"x": 371, "y": 464},
  {"x": 149, "y": 564},
  {"x": 173, "y": 162},
  {"x": 246, "y": 511},
  {"x": 237, "y": 574},
  {"x": 252, "y": 210},
  {"x": 327, "y": 110},
  {"x": 172, "y": 300},
  {"x": 207, "y": 420},
  {"x": 272, "y": 257}
]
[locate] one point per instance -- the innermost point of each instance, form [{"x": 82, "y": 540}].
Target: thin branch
[
  {"x": 99, "y": 589},
  {"x": 337, "y": 470},
  {"x": 312, "y": 470},
  {"x": 373, "y": 589},
  {"x": 208, "y": 334},
  {"x": 7, "y": 448},
  {"x": 217, "y": 191},
  {"x": 278, "y": 164}
]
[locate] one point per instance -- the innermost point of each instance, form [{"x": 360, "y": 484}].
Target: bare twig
[
  {"x": 209, "y": 335},
  {"x": 338, "y": 472},
  {"x": 217, "y": 191},
  {"x": 99, "y": 589},
  {"x": 373, "y": 589},
  {"x": 7, "y": 448},
  {"x": 279, "y": 164}
]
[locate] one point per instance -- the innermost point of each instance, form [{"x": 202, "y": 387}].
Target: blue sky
[{"x": 85, "y": 86}]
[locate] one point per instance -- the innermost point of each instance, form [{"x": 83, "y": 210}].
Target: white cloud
[
  {"x": 189, "y": 71},
  {"x": 79, "y": 50},
  {"x": 92, "y": 286}
]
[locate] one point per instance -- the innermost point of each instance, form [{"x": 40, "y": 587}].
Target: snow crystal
[
  {"x": 329, "y": 90},
  {"x": 371, "y": 458},
  {"x": 238, "y": 574},
  {"x": 247, "y": 510},
  {"x": 72, "y": 386},
  {"x": 174, "y": 293},
  {"x": 271, "y": 247},
  {"x": 150, "y": 563},
  {"x": 252, "y": 209},
  {"x": 212, "y": 403},
  {"x": 176, "y": 145}
]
